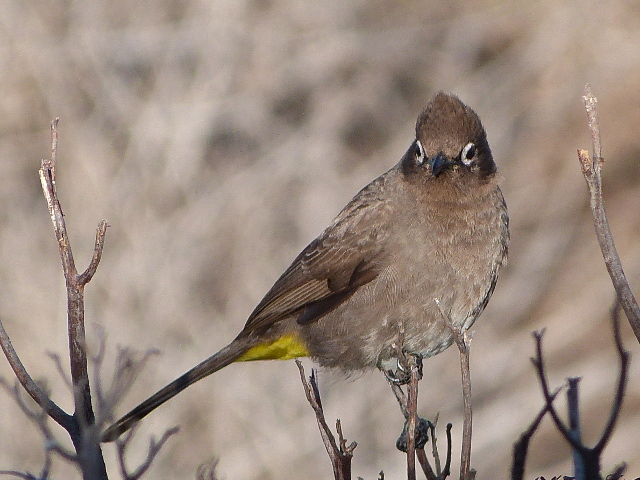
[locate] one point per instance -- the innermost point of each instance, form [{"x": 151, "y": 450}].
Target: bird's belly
[
  {"x": 412, "y": 304},
  {"x": 394, "y": 315}
]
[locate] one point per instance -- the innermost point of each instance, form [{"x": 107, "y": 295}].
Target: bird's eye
[
  {"x": 467, "y": 154},
  {"x": 419, "y": 153}
]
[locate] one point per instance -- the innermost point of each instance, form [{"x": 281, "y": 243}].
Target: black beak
[{"x": 439, "y": 163}]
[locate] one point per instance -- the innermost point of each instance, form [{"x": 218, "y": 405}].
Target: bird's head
[{"x": 450, "y": 142}]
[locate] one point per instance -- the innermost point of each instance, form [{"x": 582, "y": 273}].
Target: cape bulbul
[{"x": 416, "y": 250}]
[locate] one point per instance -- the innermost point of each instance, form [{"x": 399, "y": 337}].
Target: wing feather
[{"x": 347, "y": 255}]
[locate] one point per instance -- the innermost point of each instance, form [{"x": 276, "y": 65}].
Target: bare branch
[
  {"x": 47, "y": 180},
  {"x": 32, "y": 388},
  {"x": 60, "y": 369},
  {"x": 75, "y": 297},
  {"x": 618, "y": 472},
  {"x": 434, "y": 445},
  {"x": 39, "y": 418},
  {"x": 592, "y": 174},
  {"x": 424, "y": 427},
  {"x": 426, "y": 466},
  {"x": 154, "y": 448},
  {"x": 26, "y": 476},
  {"x": 447, "y": 465},
  {"x": 412, "y": 407},
  {"x": 538, "y": 362},
  {"x": 129, "y": 364},
  {"x": 401, "y": 397},
  {"x": 81, "y": 428},
  {"x": 207, "y": 471},
  {"x": 586, "y": 460},
  {"x": 463, "y": 341},
  {"x": 340, "y": 456},
  {"x": 573, "y": 410},
  {"x": 54, "y": 145},
  {"x": 622, "y": 381},
  {"x": 440, "y": 473},
  {"x": 590, "y": 103},
  {"x": 521, "y": 447},
  {"x": 86, "y": 276}
]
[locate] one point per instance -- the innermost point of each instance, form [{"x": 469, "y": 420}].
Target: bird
[{"x": 416, "y": 252}]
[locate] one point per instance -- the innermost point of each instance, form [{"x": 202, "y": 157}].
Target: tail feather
[{"x": 217, "y": 361}]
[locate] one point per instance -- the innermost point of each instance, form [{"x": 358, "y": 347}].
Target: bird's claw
[{"x": 401, "y": 375}]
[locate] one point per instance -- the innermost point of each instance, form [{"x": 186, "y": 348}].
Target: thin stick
[
  {"x": 401, "y": 397},
  {"x": 521, "y": 447},
  {"x": 592, "y": 174},
  {"x": 86, "y": 276},
  {"x": 412, "y": 407},
  {"x": 81, "y": 430},
  {"x": 154, "y": 448},
  {"x": 75, "y": 300},
  {"x": 39, "y": 396},
  {"x": 463, "y": 342},
  {"x": 434, "y": 445},
  {"x": 426, "y": 466},
  {"x": 624, "y": 357},
  {"x": 538, "y": 362},
  {"x": 60, "y": 369},
  {"x": 340, "y": 455},
  {"x": 39, "y": 418},
  {"x": 447, "y": 464},
  {"x": 574, "y": 426}
]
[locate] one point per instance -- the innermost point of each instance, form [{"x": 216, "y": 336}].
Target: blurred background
[{"x": 219, "y": 137}]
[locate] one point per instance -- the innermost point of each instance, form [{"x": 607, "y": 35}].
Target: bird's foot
[
  {"x": 422, "y": 435},
  {"x": 397, "y": 376},
  {"x": 401, "y": 375}
]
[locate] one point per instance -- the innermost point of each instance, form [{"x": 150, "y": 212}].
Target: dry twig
[
  {"x": 415, "y": 369},
  {"x": 75, "y": 287},
  {"x": 442, "y": 472},
  {"x": 81, "y": 426},
  {"x": 154, "y": 448},
  {"x": 589, "y": 457},
  {"x": 207, "y": 470},
  {"x": 591, "y": 169},
  {"x": 463, "y": 341},
  {"x": 129, "y": 364},
  {"x": 521, "y": 447},
  {"x": 340, "y": 453},
  {"x": 32, "y": 388},
  {"x": 39, "y": 417},
  {"x": 423, "y": 427}
]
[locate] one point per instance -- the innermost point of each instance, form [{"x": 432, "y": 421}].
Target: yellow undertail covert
[{"x": 285, "y": 348}]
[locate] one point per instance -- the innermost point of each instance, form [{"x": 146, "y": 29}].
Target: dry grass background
[{"x": 219, "y": 137}]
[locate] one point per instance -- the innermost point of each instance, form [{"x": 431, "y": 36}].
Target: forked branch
[
  {"x": 339, "y": 452},
  {"x": 80, "y": 425},
  {"x": 588, "y": 457}
]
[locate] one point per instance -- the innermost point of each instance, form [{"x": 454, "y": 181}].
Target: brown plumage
[{"x": 423, "y": 241}]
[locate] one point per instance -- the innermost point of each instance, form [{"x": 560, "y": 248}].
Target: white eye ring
[
  {"x": 419, "y": 153},
  {"x": 468, "y": 153}
]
